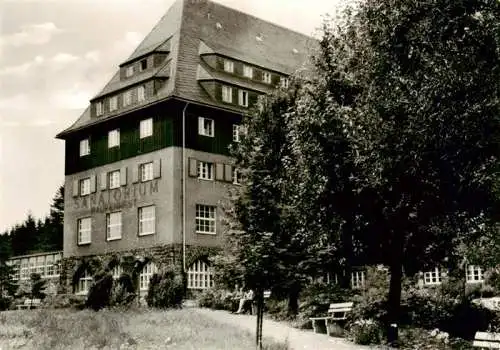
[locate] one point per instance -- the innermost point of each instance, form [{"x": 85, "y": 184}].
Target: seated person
[{"x": 246, "y": 302}]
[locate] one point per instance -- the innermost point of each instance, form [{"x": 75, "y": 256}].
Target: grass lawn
[{"x": 115, "y": 329}]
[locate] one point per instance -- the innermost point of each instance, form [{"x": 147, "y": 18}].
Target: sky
[{"x": 57, "y": 54}]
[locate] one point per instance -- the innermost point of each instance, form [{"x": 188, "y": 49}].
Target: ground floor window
[
  {"x": 432, "y": 277},
  {"x": 474, "y": 274},
  {"x": 357, "y": 279},
  {"x": 83, "y": 285},
  {"x": 200, "y": 276},
  {"x": 146, "y": 273},
  {"x": 116, "y": 272}
]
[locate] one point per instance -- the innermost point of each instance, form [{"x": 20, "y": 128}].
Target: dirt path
[{"x": 295, "y": 338}]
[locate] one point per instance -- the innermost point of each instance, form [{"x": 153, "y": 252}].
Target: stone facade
[{"x": 163, "y": 256}]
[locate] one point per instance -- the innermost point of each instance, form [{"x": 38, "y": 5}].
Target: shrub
[
  {"x": 166, "y": 290},
  {"x": 100, "y": 292},
  {"x": 365, "y": 332},
  {"x": 421, "y": 339},
  {"x": 5, "y": 302},
  {"x": 122, "y": 293},
  {"x": 372, "y": 304},
  {"x": 446, "y": 308},
  {"x": 218, "y": 299}
]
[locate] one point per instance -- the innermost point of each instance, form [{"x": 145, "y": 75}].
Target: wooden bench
[
  {"x": 336, "y": 312},
  {"x": 486, "y": 340},
  {"x": 30, "y": 304}
]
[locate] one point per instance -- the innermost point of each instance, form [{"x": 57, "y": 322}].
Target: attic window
[
  {"x": 259, "y": 37},
  {"x": 144, "y": 64},
  {"x": 218, "y": 25}
]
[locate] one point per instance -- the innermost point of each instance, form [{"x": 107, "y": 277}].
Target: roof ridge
[{"x": 260, "y": 19}]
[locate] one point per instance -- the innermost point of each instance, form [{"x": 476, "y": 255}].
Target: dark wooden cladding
[{"x": 167, "y": 132}]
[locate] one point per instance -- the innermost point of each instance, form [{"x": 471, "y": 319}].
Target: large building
[{"x": 147, "y": 164}]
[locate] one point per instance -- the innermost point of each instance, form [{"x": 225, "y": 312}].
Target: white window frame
[
  {"x": 206, "y": 219},
  {"x": 146, "y": 171},
  {"x": 127, "y": 98},
  {"x": 205, "y": 171},
  {"x": 114, "y": 226},
  {"x": 284, "y": 82},
  {"x": 145, "y": 275},
  {"x": 227, "y": 94},
  {"x": 247, "y": 71},
  {"x": 114, "y": 138},
  {"x": 243, "y": 98},
  {"x": 84, "y": 186},
  {"x": 228, "y": 66},
  {"x": 25, "y": 269},
  {"x": 236, "y": 133},
  {"x": 84, "y": 230},
  {"x": 99, "y": 108},
  {"x": 358, "y": 279},
  {"x": 474, "y": 274},
  {"x": 50, "y": 265},
  {"x": 146, "y": 221},
  {"x": 206, "y": 127},
  {"x": 266, "y": 77},
  {"x": 113, "y": 103},
  {"x": 83, "y": 285},
  {"x": 146, "y": 128},
  {"x": 141, "y": 93},
  {"x": 84, "y": 147},
  {"x": 40, "y": 265},
  {"x": 200, "y": 276},
  {"x": 129, "y": 71},
  {"x": 236, "y": 176},
  {"x": 114, "y": 179},
  {"x": 117, "y": 271},
  {"x": 432, "y": 277}
]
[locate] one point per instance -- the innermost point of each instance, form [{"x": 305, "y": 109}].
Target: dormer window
[
  {"x": 247, "y": 71},
  {"x": 113, "y": 103},
  {"x": 228, "y": 66},
  {"x": 144, "y": 64},
  {"x": 284, "y": 82},
  {"x": 266, "y": 77},
  {"x": 98, "y": 108},
  {"x": 141, "y": 93},
  {"x": 127, "y": 98},
  {"x": 129, "y": 71},
  {"x": 243, "y": 98},
  {"x": 227, "y": 94}
]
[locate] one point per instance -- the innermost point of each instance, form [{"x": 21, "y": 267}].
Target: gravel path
[{"x": 295, "y": 338}]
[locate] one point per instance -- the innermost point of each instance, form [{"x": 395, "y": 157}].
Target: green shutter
[
  {"x": 103, "y": 182},
  {"x": 193, "y": 167},
  {"x": 219, "y": 172},
  {"x": 123, "y": 176},
  {"x": 157, "y": 168}
]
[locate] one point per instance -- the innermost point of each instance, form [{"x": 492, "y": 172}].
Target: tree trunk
[
  {"x": 293, "y": 300},
  {"x": 345, "y": 278},
  {"x": 394, "y": 299}
]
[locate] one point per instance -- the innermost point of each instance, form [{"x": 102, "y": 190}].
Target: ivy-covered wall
[{"x": 163, "y": 256}]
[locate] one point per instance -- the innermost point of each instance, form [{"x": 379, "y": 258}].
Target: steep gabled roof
[
  {"x": 166, "y": 27},
  {"x": 210, "y": 28},
  {"x": 194, "y": 27}
]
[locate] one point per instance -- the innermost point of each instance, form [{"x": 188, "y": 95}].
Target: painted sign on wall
[{"x": 118, "y": 198}]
